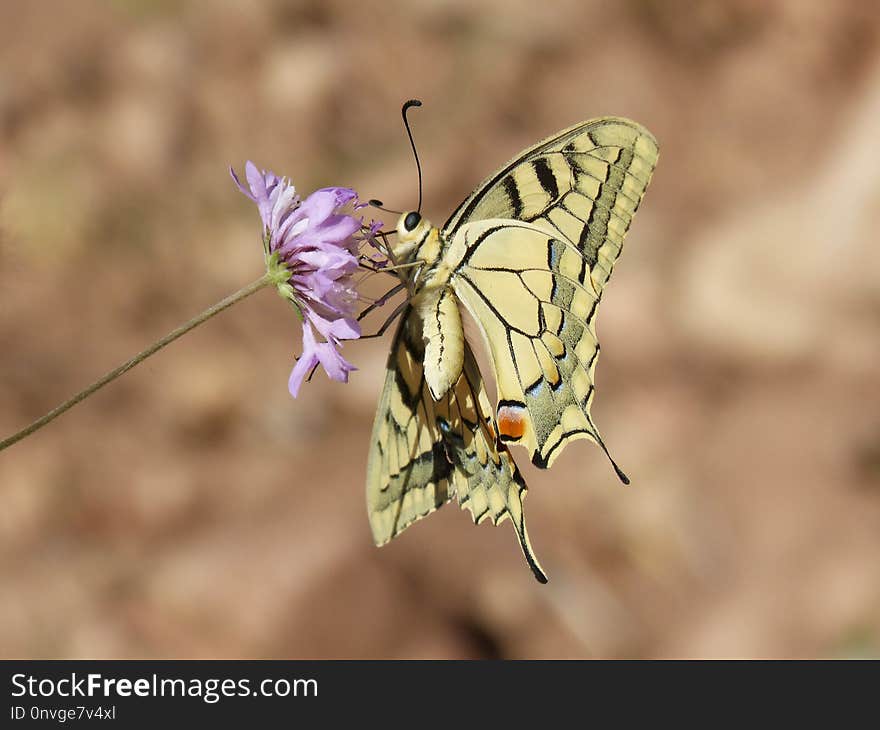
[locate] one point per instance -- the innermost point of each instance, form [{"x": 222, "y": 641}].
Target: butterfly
[{"x": 528, "y": 255}]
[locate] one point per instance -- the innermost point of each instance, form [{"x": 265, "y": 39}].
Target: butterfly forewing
[{"x": 586, "y": 182}]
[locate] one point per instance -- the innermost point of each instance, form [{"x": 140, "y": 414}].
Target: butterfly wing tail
[
  {"x": 515, "y": 509},
  {"x": 487, "y": 481}
]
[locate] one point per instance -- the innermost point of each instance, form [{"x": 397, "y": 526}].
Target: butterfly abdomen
[
  {"x": 444, "y": 339},
  {"x": 437, "y": 308}
]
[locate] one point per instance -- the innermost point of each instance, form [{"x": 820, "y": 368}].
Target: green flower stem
[{"x": 251, "y": 288}]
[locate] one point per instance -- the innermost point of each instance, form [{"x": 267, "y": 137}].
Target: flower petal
[
  {"x": 257, "y": 182},
  {"x": 318, "y": 206},
  {"x": 241, "y": 187},
  {"x": 336, "y": 366},
  {"x": 341, "y": 328},
  {"x": 345, "y": 328},
  {"x": 338, "y": 228},
  {"x": 302, "y": 368},
  {"x": 306, "y": 362},
  {"x": 331, "y": 263},
  {"x": 342, "y": 195}
]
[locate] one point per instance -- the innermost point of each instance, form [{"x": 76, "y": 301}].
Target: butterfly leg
[
  {"x": 370, "y": 266},
  {"x": 381, "y": 300},
  {"x": 394, "y": 315}
]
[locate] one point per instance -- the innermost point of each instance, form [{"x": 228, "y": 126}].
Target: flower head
[{"x": 311, "y": 250}]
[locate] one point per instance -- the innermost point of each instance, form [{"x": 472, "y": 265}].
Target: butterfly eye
[{"x": 411, "y": 221}]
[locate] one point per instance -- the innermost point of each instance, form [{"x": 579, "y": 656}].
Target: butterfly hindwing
[
  {"x": 540, "y": 332},
  {"x": 423, "y": 452},
  {"x": 407, "y": 473}
]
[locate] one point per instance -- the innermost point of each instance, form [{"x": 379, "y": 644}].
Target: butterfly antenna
[
  {"x": 379, "y": 204},
  {"x": 403, "y": 111}
]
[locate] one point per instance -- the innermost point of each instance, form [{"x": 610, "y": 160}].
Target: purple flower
[{"x": 311, "y": 254}]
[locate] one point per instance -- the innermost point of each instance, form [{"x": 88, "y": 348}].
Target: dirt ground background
[{"x": 193, "y": 509}]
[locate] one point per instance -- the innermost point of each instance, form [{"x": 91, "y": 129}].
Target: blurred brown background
[{"x": 193, "y": 509}]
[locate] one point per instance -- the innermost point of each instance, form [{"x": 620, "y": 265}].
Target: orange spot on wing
[{"x": 511, "y": 421}]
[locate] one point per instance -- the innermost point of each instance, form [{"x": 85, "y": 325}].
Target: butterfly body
[
  {"x": 433, "y": 300},
  {"x": 528, "y": 255}
]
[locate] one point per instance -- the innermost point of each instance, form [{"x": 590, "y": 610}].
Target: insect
[{"x": 528, "y": 255}]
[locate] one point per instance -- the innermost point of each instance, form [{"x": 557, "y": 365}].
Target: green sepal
[{"x": 279, "y": 275}]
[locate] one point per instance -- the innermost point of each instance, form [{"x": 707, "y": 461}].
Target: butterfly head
[
  {"x": 412, "y": 232},
  {"x": 411, "y": 227}
]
